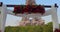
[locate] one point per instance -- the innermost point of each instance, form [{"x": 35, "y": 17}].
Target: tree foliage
[{"x": 44, "y": 28}]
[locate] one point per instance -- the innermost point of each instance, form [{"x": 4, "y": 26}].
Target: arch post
[
  {"x": 3, "y": 17},
  {"x": 55, "y": 18}
]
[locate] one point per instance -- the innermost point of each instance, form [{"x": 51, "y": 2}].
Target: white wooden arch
[{"x": 5, "y": 11}]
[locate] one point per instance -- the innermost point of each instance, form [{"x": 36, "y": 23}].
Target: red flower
[
  {"x": 34, "y": 9},
  {"x": 57, "y": 30},
  {"x": 27, "y": 9},
  {"x": 38, "y": 9},
  {"x": 41, "y": 9},
  {"x": 17, "y": 9}
]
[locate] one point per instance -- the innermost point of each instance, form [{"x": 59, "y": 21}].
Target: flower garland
[{"x": 29, "y": 9}]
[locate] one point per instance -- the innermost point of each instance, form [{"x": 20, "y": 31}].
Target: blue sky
[{"x": 13, "y": 20}]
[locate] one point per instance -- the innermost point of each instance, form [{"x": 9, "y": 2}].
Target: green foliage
[
  {"x": 43, "y": 28},
  {"x": 48, "y": 27}
]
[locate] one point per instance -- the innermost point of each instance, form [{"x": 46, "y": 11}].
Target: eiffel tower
[{"x": 30, "y": 2}]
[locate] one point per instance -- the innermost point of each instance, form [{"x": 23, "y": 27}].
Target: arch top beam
[{"x": 46, "y": 6}]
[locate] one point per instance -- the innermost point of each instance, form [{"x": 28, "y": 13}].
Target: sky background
[{"x": 14, "y": 20}]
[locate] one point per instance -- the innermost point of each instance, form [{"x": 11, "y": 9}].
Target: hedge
[{"x": 43, "y": 28}]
